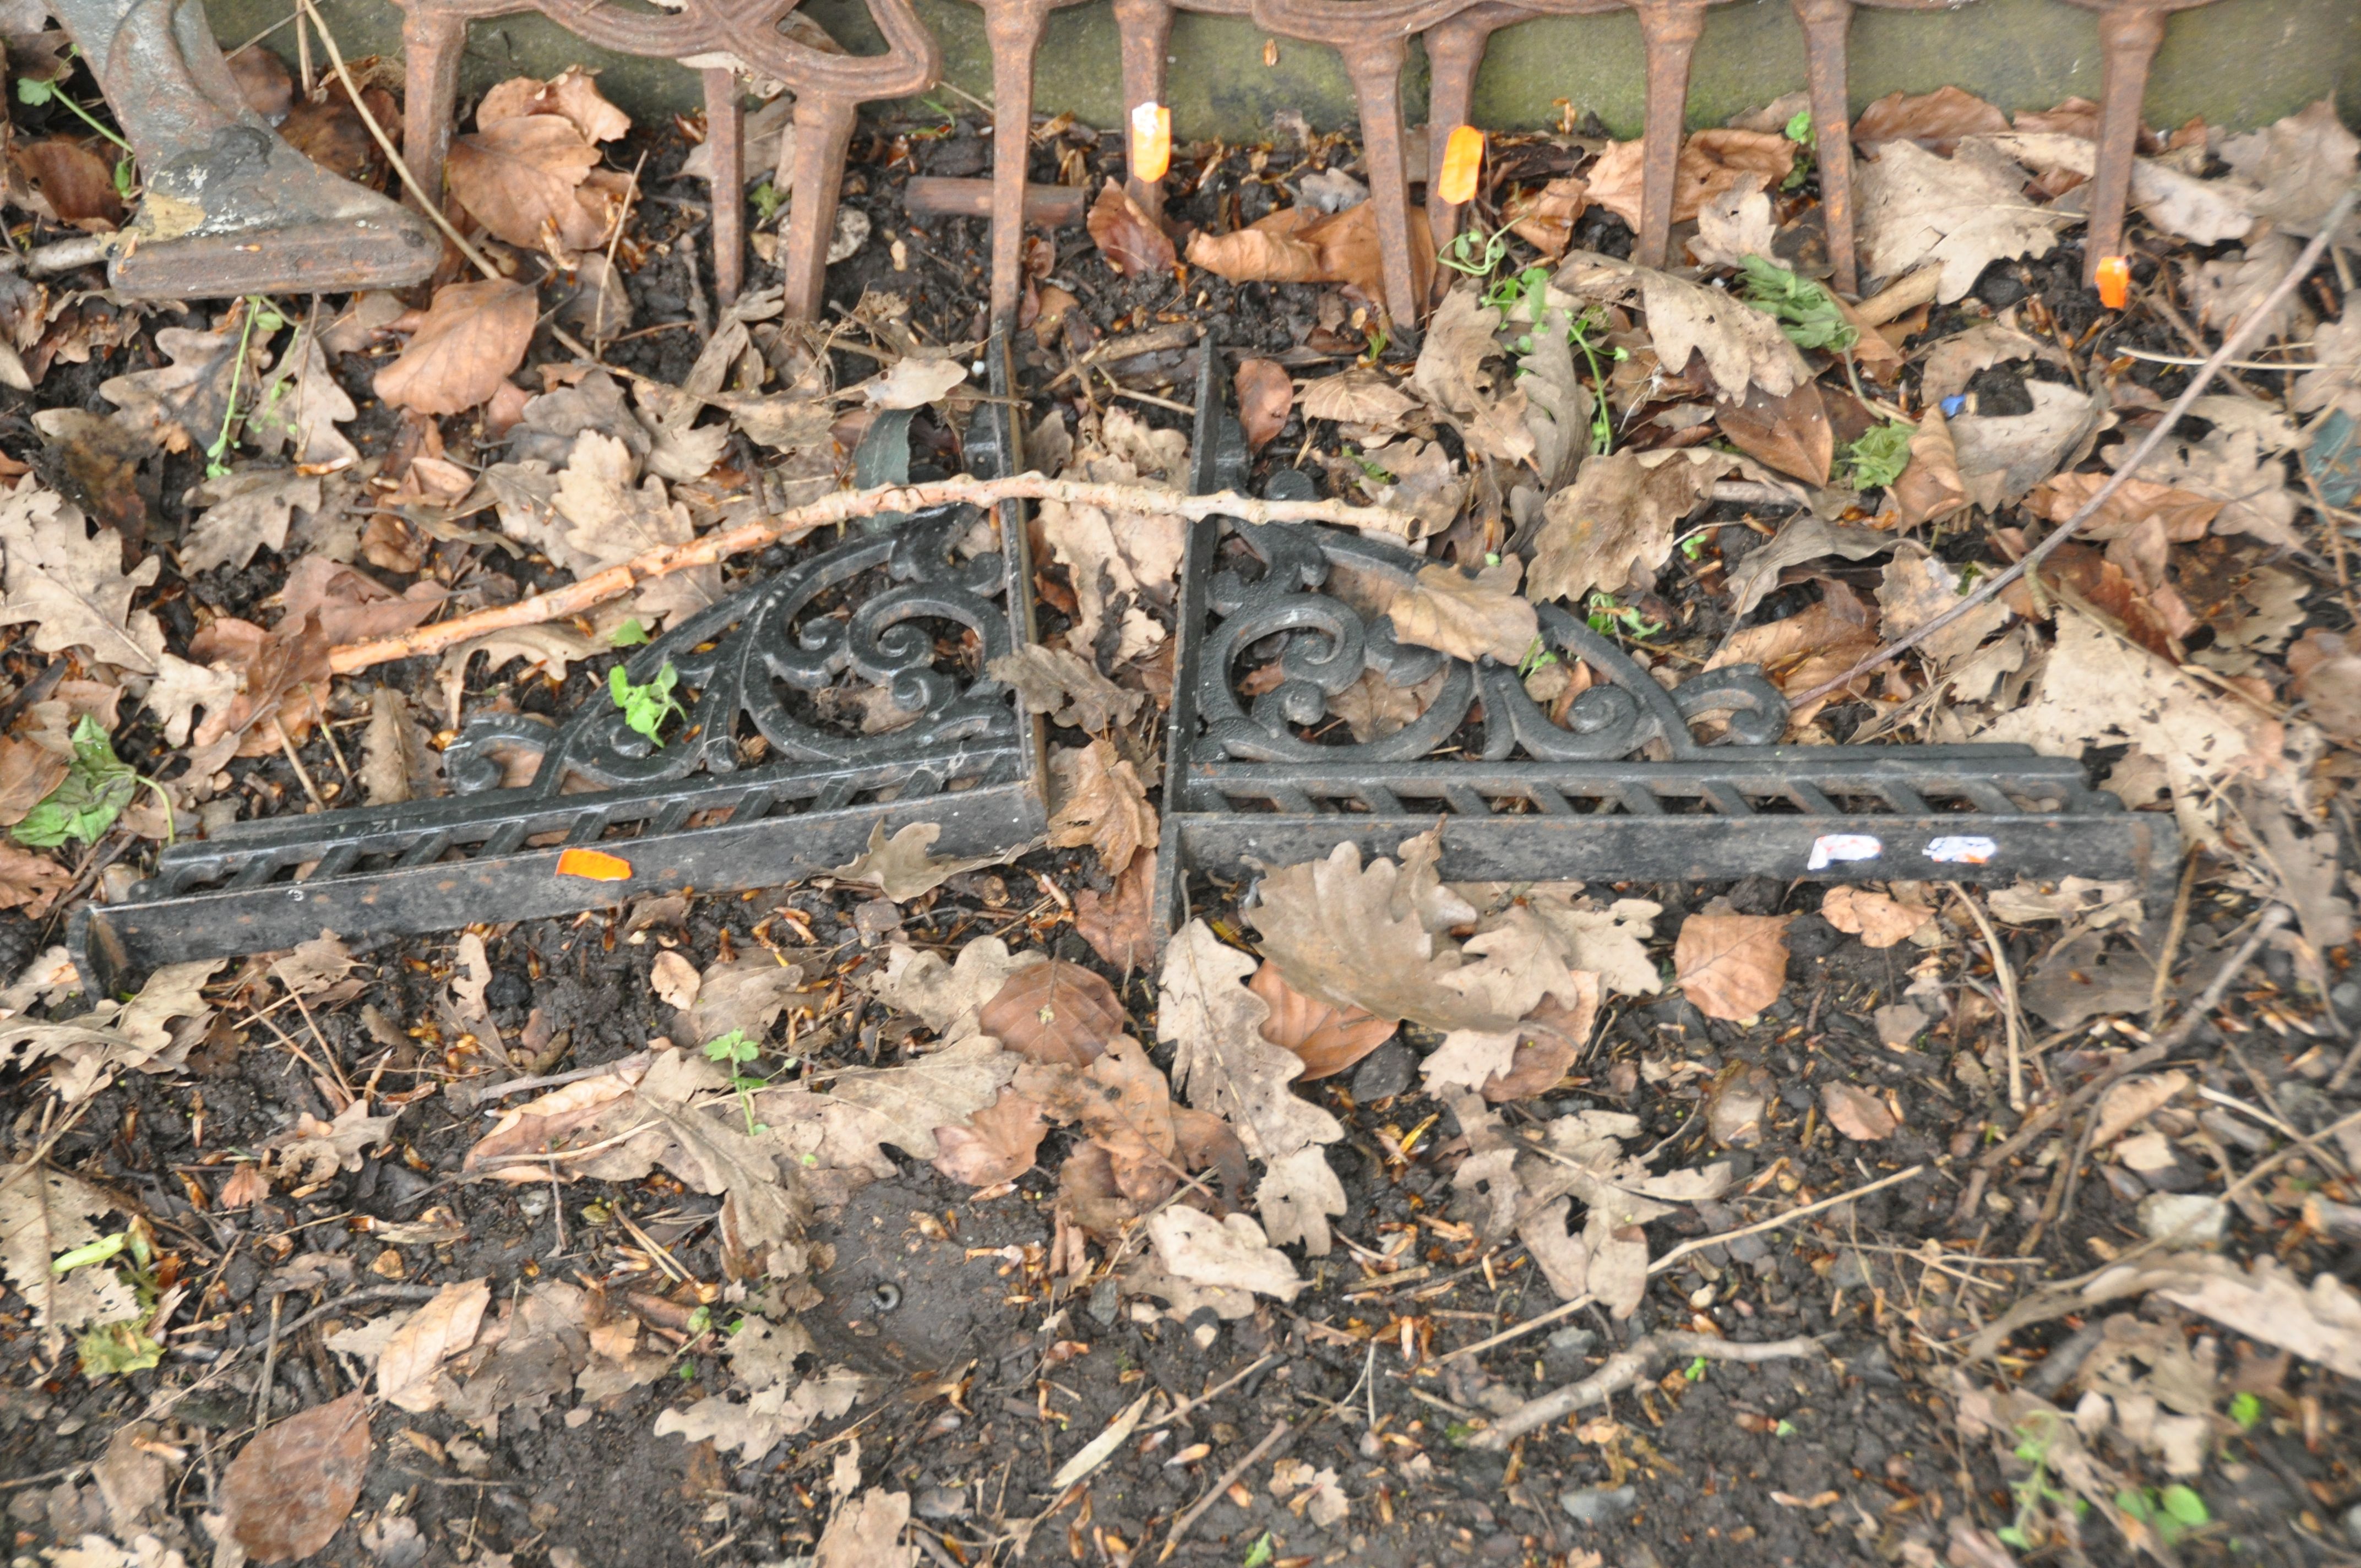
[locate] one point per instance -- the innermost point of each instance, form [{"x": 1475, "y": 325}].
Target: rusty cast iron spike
[
  {"x": 1826, "y": 24},
  {"x": 1455, "y": 52},
  {"x": 725, "y": 132},
  {"x": 1012, "y": 28},
  {"x": 1373, "y": 39},
  {"x": 2129, "y": 34},
  {"x": 1145, "y": 29},
  {"x": 942, "y": 196},
  {"x": 1670, "y": 29},
  {"x": 229, "y": 208}
]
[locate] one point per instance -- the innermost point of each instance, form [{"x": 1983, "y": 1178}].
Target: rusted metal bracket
[
  {"x": 1827, "y": 27},
  {"x": 940, "y": 196},
  {"x": 1145, "y": 27},
  {"x": 2130, "y": 31},
  {"x": 230, "y": 208},
  {"x": 767, "y": 782},
  {"x": 1454, "y": 50},
  {"x": 1373, "y": 39},
  {"x": 1521, "y": 792},
  {"x": 720, "y": 38}
]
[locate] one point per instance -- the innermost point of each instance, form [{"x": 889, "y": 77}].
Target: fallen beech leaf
[
  {"x": 1930, "y": 487},
  {"x": 1738, "y": 343},
  {"x": 1731, "y": 966},
  {"x": 1936, "y": 120},
  {"x": 1879, "y": 921},
  {"x": 1054, "y": 1013},
  {"x": 78, "y": 184},
  {"x": 1824, "y": 640},
  {"x": 1127, "y": 236},
  {"x": 414, "y": 1354},
  {"x": 1358, "y": 397},
  {"x": 1254, "y": 254},
  {"x": 1856, "y": 1113},
  {"x": 1616, "y": 518},
  {"x": 1711, "y": 161},
  {"x": 1266, "y": 395},
  {"x": 902, "y": 866},
  {"x": 28, "y": 771},
  {"x": 1965, "y": 211},
  {"x": 1298, "y": 245},
  {"x": 291, "y": 1490},
  {"x": 2186, "y": 515},
  {"x": 518, "y": 177},
  {"x": 472, "y": 336},
  {"x": 997, "y": 1143},
  {"x": 1544, "y": 219},
  {"x": 915, "y": 380},
  {"x": 1467, "y": 617},
  {"x": 1789, "y": 433},
  {"x": 674, "y": 980},
  {"x": 1328, "y": 1038},
  {"x": 1735, "y": 225},
  {"x": 573, "y": 92}
]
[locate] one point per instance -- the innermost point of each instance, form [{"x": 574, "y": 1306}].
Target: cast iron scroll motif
[
  {"x": 767, "y": 779},
  {"x": 1624, "y": 786}
]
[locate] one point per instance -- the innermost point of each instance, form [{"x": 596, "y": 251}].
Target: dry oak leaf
[
  {"x": 918, "y": 378},
  {"x": 2001, "y": 456},
  {"x": 1617, "y": 519},
  {"x": 42, "y": 1216},
  {"x": 1735, "y": 225},
  {"x": 1232, "y": 1253},
  {"x": 28, "y": 769},
  {"x": 2299, "y": 165},
  {"x": 1359, "y": 395},
  {"x": 291, "y": 1490},
  {"x": 1328, "y": 1038},
  {"x": 1065, "y": 688},
  {"x": 2185, "y": 515},
  {"x": 1879, "y": 921},
  {"x": 1740, "y": 344},
  {"x": 1937, "y": 120},
  {"x": 949, "y": 997},
  {"x": 867, "y": 1533},
  {"x": 601, "y": 521},
  {"x": 29, "y": 881},
  {"x": 1790, "y": 433},
  {"x": 1128, "y": 234},
  {"x": 1102, "y": 803},
  {"x": 1266, "y": 396},
  {"x": 995, "y": 1145},
  {"x": 1731, "y": 966},
  {"x": 1711, "y": 161},
  {"x": 1120, "y": 924},
  {"x": 184, "y": 403},
  {"x": 1856, "y": 1113},
  {"x": 1544, "y": 219},
  {"x": 1224, "y": 1063},
  {"x": 472, "y": 336},
  {"x": 1964, "y": 213},
  {"x": 245, "y": 510},
  {"x": 1054, "y": 1013},
  {"x": 1930, "y": 487},
  {"x": 414, "y": 1354},
  {"x": 1916, "y": 588},
  {"x": 905, "y": 866},
  {"x": 1466, "y": 617},
  {"x": 69, "y": 582},
  {"x": 517, "y": 178}
]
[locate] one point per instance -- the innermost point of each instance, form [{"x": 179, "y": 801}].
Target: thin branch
[
  {"x": 842, "y": 507},
  {"x": 1992, "y": 587},
  {"x": 1181, "y": 1526},
  {"x": 1624, "y": 1368}
]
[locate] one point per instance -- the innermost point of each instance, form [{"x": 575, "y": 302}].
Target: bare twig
[
  {"x": 2013, "y": 1014},
  {"x": 1624, "y": 1368},
  {"x": 1990, "y": 587},
  {"x": 1181, "y": 1526},
  {"x": 842, "y": 507}
]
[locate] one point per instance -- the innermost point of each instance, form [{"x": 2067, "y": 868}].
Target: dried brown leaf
[
  {"x": 472, "y": 336},
  {"x": 1120, "y": 924},
  {"x": 573, "y": 94},
  {"x": 904, "y": 866},
  {"x": 1789, "y": 433},
  {"x": 1131, "y": 239},
  {"x": 1102, "y": 803},
  {"x": 78, "y": 184},
  {"x": 1934, "y": 120},
  {"x": 1616, "y": 519},
  {"x": 1711, "y": 161},
  {"x": 1328, "y": 1038},
  {"x": 291, "y": 1490},
  {"x": 1466, "y": 617},
  {"x": 1731, "y": 966},
  {"x": 1266, "y": 396},
  {"x": 69, "y": 582},
  {"x": 1878, "y": 920},
  {"x": 517, "y": 178},
  {"x": 413, "y": 1356},
  {"x": 1055, "y": 1013},
  {"x": 1964, "y": 213},
  {"x": 996, "y": 1144},
  {"x": 1856, "y": 1113}
]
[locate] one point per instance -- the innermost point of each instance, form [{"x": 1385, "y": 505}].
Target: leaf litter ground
[{"x": 1012, "y": 1251}]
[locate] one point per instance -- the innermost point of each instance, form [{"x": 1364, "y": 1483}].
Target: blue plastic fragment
[
  {"x": 1953, "y": 404},
  {"x": 2333, "y": 458}
]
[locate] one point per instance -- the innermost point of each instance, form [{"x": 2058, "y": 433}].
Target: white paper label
[
  {"x": 1963, "y": 849},
  {"x": 1829, "y": 848}
]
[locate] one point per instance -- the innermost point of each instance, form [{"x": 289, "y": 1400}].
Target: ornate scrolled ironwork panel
[
  {"x": 1285, "y": 649},
  {"x": 846, "y": 693}
]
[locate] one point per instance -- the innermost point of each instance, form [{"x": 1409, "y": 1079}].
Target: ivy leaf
[{"x": 98, "y": 786}]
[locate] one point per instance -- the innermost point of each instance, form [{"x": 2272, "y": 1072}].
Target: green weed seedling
[
  {"x": 631, "y": 634},
  {"x": 96, "y": 788},
  {"x": 740, "y": 1052},
  {"x": 113, "y": 1349},
  {"x": 1877, "y": 459},
  {"x": 2035, "y": 1491},
  {"x": 1805, "y": 312},
  {"x": 1605, "y": 615},
  {"x": 2172, "y": 1513},
  {"x": 646, "y": 706}
]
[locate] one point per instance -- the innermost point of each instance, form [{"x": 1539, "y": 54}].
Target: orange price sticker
[
  {"x": 1462, "y": 156},
  {"x": 596, "y": 864},
  {"x": 2115, "y": 282},
  {"x": 1151, "y": 141}
]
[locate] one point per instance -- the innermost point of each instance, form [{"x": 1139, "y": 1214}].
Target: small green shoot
[
  {"x": 738, "y": 1051},
  {"x": 2247, "y": 1410},
  {"x": 2035, "y": 1489},
  {"x": 631, "y": 634},
  {"x": 1693, "y": 546},
  {"x": 1537, "y": 657},
  {"x": 113, "y": 1349},
  {"x": 258, "y": 314},
  {"x": 647, "y": 706},
  {"x": 1605, "y": 615},
  {"x": 1474, "y": 254},
  {"x": 1798, "y": 129},
  {"x": 1877, "y": 459},
  {"x": 2172, "y": 1513},
  {"x": 88, "y": 1253},
  {"x": 767, "y": 198},
  {"x": 699, "y": 1321},
  {"x": 1695, "y": 1370},
  {"x": 1784, "y": 1429},
  {"x": 96, "y": 788},
  {"x": 1259, "y": 1555},
  {"x": 1805, "y": 312},
  {"x": 31, "y": 91},
  {"x": 1375, "y": 473}
]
